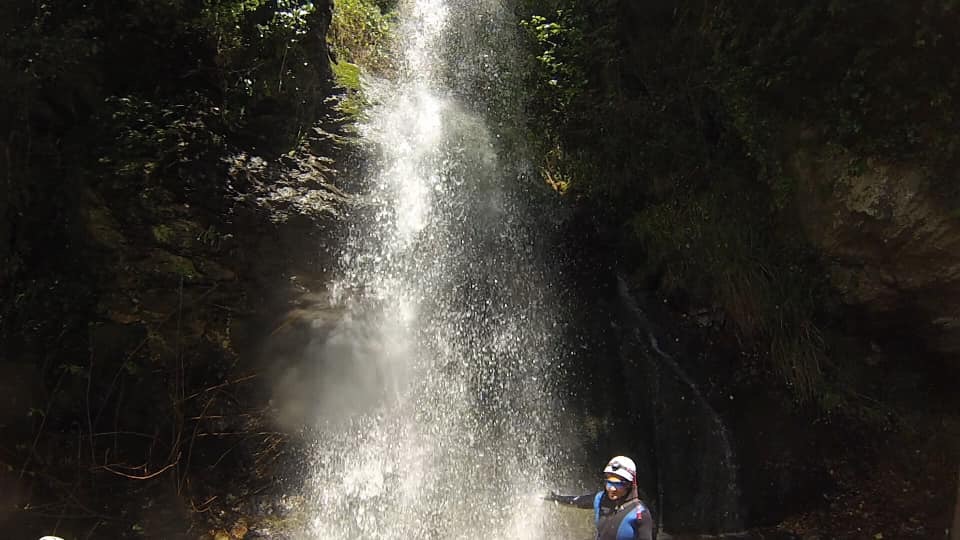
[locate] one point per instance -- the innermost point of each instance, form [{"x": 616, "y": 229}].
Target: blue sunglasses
[{"x": 617, "y": 485}]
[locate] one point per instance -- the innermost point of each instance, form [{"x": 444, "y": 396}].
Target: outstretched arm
[{"x": 580, "y": 501}]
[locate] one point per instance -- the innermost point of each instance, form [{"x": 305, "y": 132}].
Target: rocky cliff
[
  {"x": 890, "y": 239},
  {"x": 170, "y": 198}
]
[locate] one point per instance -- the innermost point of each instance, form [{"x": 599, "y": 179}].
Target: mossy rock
[
  {"x": 347, "y": 75},
  {"x": 162, "y": 234},
  {"x": 354, "y": 103},
  {"x": 179, "y": 235},
  {"x": 102, "y": 228},
  {"x": 163, "y": 263}
]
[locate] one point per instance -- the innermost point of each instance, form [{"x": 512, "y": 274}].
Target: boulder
[{"x": 889, "y": 240}]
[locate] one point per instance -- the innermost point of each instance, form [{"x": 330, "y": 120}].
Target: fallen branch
[
  {"x": 204, "y": 506},
  {"x": 221, "y": 385},
  {"x": 196, "y": 428},
  {"x": 140, "y": 477}
]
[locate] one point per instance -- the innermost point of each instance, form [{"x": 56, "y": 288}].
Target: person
[{"x": 618, "y": 512}]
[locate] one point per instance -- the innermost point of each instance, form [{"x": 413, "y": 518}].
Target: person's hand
[{"x": 550, "y": 497}]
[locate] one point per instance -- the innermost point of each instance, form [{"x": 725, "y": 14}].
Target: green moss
[
  {"x": 347, "y": 75},
  {"x": 354, "y": 103},
  {"x": 361, "y": 32},
  {"x": 362, "y": 38},
  {"x": 162, "y": 234}
]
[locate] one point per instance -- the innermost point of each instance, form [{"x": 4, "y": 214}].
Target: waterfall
[{"x": 437, "y": 411}]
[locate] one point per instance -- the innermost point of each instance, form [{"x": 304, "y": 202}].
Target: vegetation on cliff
[
  {"x": 677, "y": 121},
  {"x": 678, "y": 127},
  {"x": 150, "y": 157}
]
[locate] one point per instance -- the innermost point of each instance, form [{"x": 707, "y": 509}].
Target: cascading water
[{"x": 437, "y": 414}]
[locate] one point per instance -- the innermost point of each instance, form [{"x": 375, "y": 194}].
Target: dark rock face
[
  {"x": 167, "y": 294},
  {"x": 719, "y": 448},
  {"x": 147, "y": 248},
  {"x": 688, "y": 443},
  {"x": 891, "y": 243},
  {"x": 653, "y": 393}
]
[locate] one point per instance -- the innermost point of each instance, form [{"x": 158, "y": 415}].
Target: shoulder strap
[
  {"x": 596, "y": 507},
  {"x": 640, "y": 510}
]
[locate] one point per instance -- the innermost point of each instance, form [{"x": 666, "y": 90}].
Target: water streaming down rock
[
  {"x": 689, "y": 446},
  {"x": 436, "y": 402}
]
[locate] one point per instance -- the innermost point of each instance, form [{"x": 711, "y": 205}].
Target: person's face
[{"x": 616, "y": 487}]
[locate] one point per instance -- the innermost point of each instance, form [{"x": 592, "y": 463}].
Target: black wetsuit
[{"x": 626, "y": 519}]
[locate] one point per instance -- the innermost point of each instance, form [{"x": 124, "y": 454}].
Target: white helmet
[{"x": 623, "y": 467}]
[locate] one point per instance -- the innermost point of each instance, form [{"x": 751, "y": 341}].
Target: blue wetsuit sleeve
[{"x": 643, "y": 526}]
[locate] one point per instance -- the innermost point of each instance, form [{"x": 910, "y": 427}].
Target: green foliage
[
  {"x": 872, "y": 76},
  {"x": 253, "y": 62},
  {"x": 714, "y": 245},
  {"x": 148, "y": 135},
  {"x": 562, "y": 80},
  {"x": 362, "y": 39},
  {"x": 560, "y": 44},
  {"x": 361, "y": 33}
]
